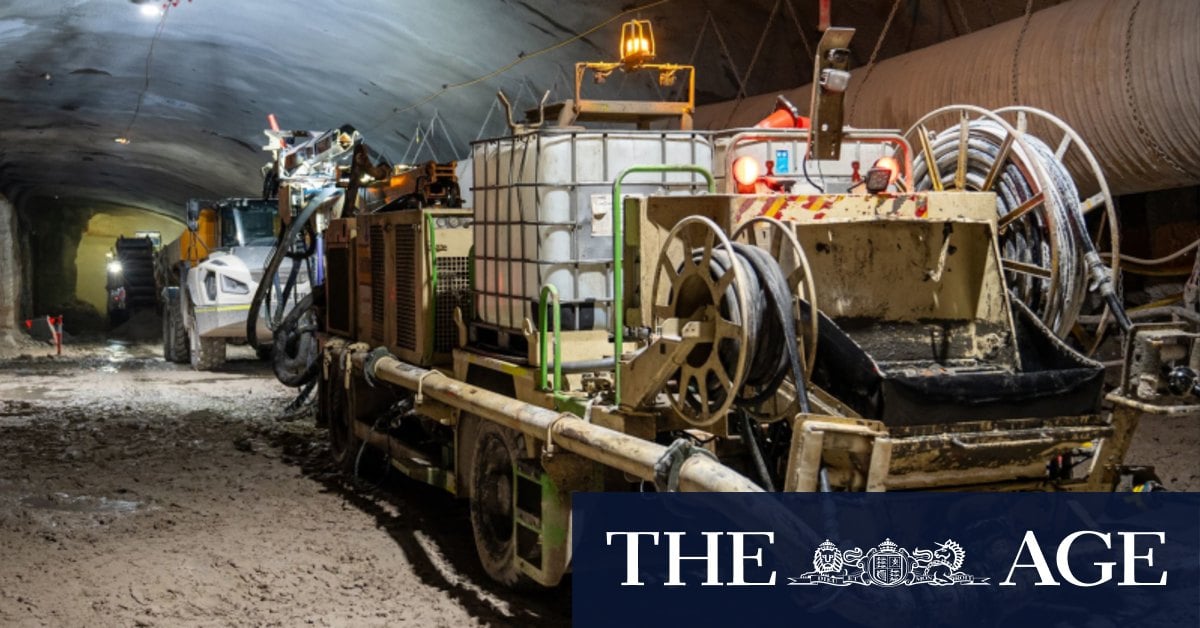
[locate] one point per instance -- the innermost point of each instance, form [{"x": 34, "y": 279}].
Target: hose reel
[
  {"x": 779, "y": 241},
  {"x": 1046, "y": 252},
  {"x": 739, "y": 301}
]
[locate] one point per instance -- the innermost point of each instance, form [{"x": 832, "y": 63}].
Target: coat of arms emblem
[{"x": 888, "y": 565}]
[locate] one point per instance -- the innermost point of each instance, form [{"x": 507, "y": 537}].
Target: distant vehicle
[
  {"x": 130, "y": 278},
  {"x": 154, "y": 236},
  {"x": 208, "y": 276}
]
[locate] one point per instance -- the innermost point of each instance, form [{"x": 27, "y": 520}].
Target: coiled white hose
[{"x": 1041, "y": 238}]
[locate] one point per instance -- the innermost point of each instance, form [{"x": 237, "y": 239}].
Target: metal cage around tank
[{"x": 543, "y": 211}]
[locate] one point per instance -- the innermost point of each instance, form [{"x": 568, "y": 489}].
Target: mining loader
[
  {"x": 208, "y": 275},
  {"x": 650, "y": 309}
]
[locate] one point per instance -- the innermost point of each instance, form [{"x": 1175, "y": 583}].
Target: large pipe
[
  {"x": 629, "y": 454},
  {"x": 1125, "y": 74}
]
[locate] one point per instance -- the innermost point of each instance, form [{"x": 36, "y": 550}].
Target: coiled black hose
[{"x": 769, "y": 320}]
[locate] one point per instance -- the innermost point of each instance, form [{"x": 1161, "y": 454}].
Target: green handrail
[
  {"x": 431, "y": 234},
  {"x": 618, "y": 229},
  {"x": 542, "y": 333}
]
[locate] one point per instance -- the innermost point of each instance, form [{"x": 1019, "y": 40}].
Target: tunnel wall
[
  {"x": 54, "y": 242},
  {"x": 1124, "y": 73},
  {"x": 11, "y": 273}
]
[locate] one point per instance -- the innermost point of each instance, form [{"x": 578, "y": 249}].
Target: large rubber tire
[
  {"x": 207, "y": 354},
  {"x": 493, "y": 482},
  {"x": 175, "y": 335}
]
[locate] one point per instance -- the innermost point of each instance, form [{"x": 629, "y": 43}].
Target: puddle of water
[
  {"x": 79, "y": 503},
  {"x": 24, "y": 393},
  {"x": 117, "y": 354}
]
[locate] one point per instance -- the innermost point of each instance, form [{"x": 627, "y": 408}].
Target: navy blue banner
[{"x": 913, "y": 559}]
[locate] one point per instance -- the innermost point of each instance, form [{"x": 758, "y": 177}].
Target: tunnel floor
[{"x": 138, "y": 492}]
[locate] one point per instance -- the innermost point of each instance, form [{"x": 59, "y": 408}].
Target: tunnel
[{"x": 335, "y": 313}]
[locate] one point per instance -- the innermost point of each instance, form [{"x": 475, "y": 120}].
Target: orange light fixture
[
  {"x": 891, "y": 165},
  {"x": 882, "y": 175},
  {"x": 637, "y": 42}
]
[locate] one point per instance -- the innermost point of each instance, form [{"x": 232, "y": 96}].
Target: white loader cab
[{"x": 214, "y": 270}]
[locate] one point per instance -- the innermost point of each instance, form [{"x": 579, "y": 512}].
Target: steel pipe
[
  {"x": 632, "y": 455},
  {"x": 1123, "y": 73}
]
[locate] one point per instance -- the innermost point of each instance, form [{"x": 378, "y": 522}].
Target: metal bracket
[
  {"x": 830, "y": 77},
  {"x": 522, "y": 128}
]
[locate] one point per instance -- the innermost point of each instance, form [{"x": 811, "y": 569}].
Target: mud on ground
[
  {"x": 139, "y": 493},
  {"x": 134, "y": 492}
]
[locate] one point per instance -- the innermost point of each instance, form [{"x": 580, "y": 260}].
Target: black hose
[
  {"x": 756, "y": 455},
  {"x": 769, "y": 318},
  {"x": 804, "y": 169},
  {"x": 277, "y": 256},
  {"x": 773, "y": 361},
  {"x": 296, "y": 353}
]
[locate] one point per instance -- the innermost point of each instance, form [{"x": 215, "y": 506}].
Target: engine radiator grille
[
  {"x": 406, "y": 287},
  {"x": 378, "y": 263},
  {"x": 453, "y": 290}
]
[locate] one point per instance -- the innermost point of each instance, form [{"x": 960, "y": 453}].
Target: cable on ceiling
[
  {"x": 158, "y": 31},
  {"x": 515, "y": 62}
]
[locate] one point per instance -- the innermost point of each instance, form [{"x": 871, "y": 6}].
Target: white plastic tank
[{"x": 543, "y": 215}]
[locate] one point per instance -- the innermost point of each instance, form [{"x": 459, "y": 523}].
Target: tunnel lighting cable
[
  {"x": 514, "y": 62},
  {"x": 1156, "y": 262},
  {"x": 158, "y": 31},
  {"x": 887, "y": 25}
]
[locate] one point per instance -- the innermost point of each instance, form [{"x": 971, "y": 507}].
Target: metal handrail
[
  {"x": 618, "y": 230},
  {"x": 549, "y": 289}
]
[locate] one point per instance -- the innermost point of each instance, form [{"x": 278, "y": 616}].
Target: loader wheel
[
  {"x": 207, "y": 353},
  {"x": 493, "y": 483},
  {"x": 175, "y": 336}
]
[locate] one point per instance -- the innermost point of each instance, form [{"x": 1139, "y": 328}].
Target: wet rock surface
[{"x": 134, "y": 492}]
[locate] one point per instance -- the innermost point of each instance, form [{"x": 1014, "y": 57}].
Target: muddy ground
[{"x": 139, "y": 493}]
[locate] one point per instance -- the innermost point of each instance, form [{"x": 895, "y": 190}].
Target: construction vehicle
[
  {"x": 620, "y": 310},
  {"x": 208, "y": 275},
  {"x": 130, "y": 278},
  {"x": 318, "y": 176}
]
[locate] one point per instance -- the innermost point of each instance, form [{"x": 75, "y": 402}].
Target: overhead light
[
  {"x": 151, "y": 9},
  {"x": 121, "y": 140},
  {"x": 637, "y": 42},
  {"x": 114, "y": 267}
]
